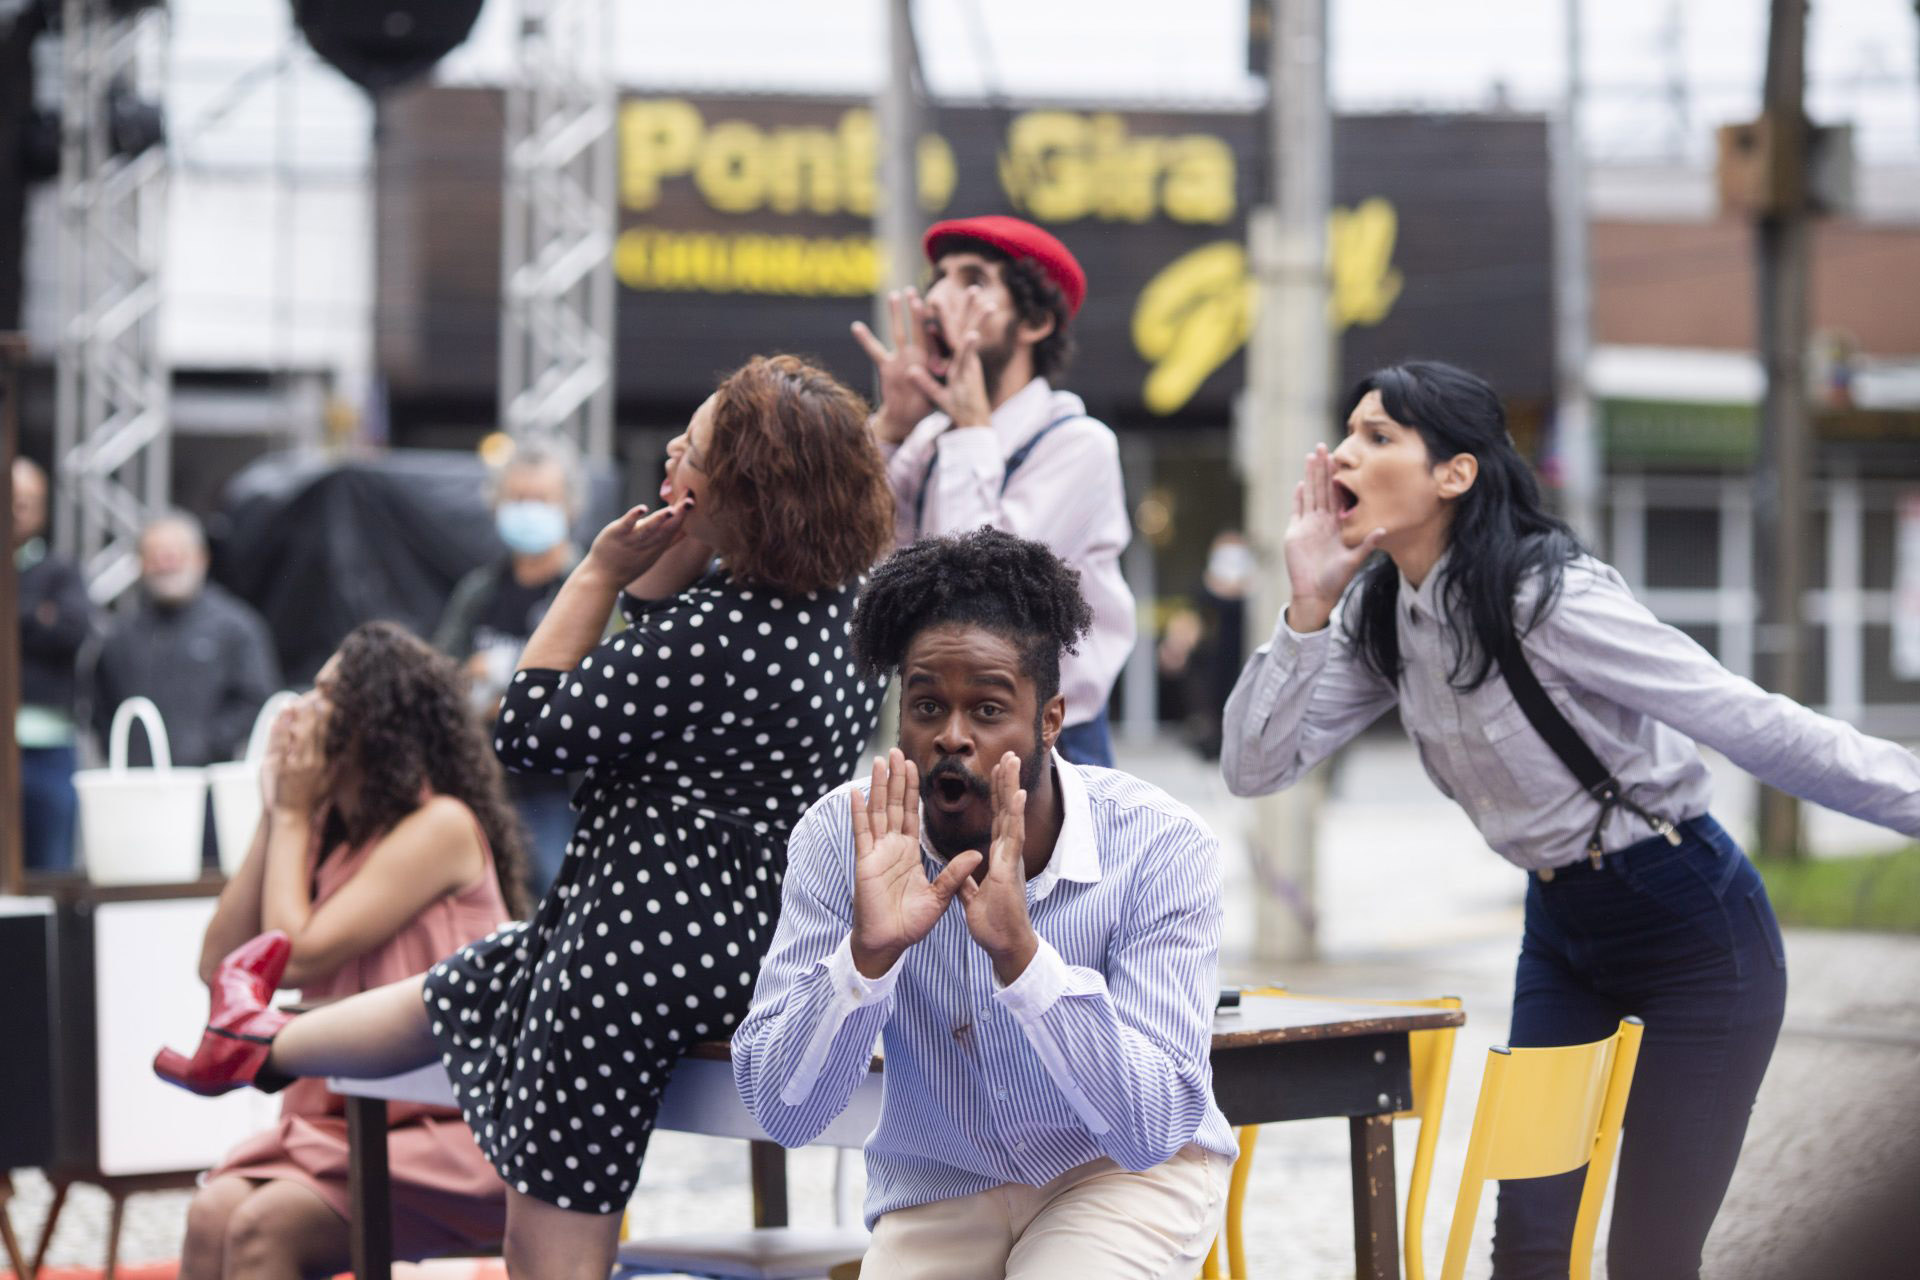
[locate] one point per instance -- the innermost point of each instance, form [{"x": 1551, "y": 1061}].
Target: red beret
[{"x": 1016, "y": 239}]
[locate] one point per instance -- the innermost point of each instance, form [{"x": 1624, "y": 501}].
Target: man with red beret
[{"x": 975, "y": 433}]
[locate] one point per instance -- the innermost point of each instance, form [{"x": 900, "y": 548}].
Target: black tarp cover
[{"x": 321, "y": 544}]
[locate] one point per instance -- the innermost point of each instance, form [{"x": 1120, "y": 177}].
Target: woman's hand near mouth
[
  {"x": 1320, "y": 564},
  {"x": 902, "y": 402}
]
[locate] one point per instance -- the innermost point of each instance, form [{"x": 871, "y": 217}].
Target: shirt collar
[
  {"x": 1075, "y": 856},
  {"x": 1424, "y": 600},
  {"x": 30, "y": 553},
  {"x": 1023, "y": 413}
]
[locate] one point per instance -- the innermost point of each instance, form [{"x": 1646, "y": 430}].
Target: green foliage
[{"x": 1879, "y": 893}]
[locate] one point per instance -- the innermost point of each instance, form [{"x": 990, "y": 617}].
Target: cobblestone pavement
[{"x": 1411, "y": 903}]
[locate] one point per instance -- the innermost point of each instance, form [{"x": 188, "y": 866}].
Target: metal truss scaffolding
[
  {"x": 111, "y": 421},
  {"x": 556, "y": 267}
]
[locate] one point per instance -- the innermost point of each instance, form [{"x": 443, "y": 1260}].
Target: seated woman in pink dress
[{"x": 386, "y": 844}]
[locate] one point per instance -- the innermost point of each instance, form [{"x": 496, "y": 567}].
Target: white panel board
[{"x": 148, "y": 993}]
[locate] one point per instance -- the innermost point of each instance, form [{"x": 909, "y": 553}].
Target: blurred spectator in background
[
  {"x": 975, "y": 433},
  {"x": 1223, "y": 600},
  {"x": 201, "y": 654},
  {"x": 538, "y": 493},
  {"x": 56, "y": 619}
]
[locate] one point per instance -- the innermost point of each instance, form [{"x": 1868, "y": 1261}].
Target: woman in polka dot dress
[{"x": 706, "y": 728}]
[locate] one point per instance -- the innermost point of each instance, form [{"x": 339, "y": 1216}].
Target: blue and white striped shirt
[{"x": 1100, "y": 1048}]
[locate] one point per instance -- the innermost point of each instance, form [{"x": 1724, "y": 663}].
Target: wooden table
[{"x": 1274, "y": 1059}]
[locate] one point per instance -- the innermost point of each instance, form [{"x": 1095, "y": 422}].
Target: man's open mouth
[
  {"x": 952, "y": 789},
  {"x": 939, "y": 350}
]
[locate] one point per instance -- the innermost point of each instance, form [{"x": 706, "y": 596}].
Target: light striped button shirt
[
  {"x": 1637, "y": 691},
  {"x": 1100, "y": 1048}
]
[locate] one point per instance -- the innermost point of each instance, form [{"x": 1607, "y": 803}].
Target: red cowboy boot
[{"x": 240, "y": 1027}]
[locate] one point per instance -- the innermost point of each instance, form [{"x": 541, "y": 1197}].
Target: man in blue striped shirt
[{"x": 1049, "y": 1104}]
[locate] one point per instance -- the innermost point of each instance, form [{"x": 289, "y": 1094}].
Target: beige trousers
[{"x": 1095, "y": 1222}]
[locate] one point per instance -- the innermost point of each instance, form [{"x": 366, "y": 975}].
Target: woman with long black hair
[{"x": 1483, "y": 621}]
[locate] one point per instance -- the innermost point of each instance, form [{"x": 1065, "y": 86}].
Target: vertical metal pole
[
  {"x": 896, "y": 214},
  {"x": 556, "y": 233},
  {"x": 1781, "y": 482},
  {"x": 1290, "y": 369},
  {"x": 1576, "y": 438}
]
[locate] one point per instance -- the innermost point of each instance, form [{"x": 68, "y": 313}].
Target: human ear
[
  {"x": 1037, "y": 331},
  {"x": 1457, "y": 474},
  {"x": 1052, "y": 716}
]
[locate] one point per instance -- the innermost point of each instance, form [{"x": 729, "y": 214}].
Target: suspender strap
[
  {"x": 1572, "y": 749},
  {"x": 1015, "y": 461}
]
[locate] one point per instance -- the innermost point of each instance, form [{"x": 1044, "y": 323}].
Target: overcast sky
[{"x": 1663, "y": 72}]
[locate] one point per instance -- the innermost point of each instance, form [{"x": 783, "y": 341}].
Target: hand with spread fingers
[
  {"x": 894, "y": 904},
  {"x": 1319, "y": 562},
  {"x": 632, "y": 544},
  {"x": 964, "y": 396},
  {"x": 996, "y": 904},
  {"x": 902, "y": 402}
]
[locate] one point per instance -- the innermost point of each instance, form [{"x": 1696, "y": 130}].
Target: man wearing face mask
[
  {"x": 537, "y": 495},
  {"x": 202, "y": 655}
]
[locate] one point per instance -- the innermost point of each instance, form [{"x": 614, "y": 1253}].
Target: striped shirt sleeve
[
  {"x": 1129, "y": 1051},
  {"x": 808, "y": 1041}
]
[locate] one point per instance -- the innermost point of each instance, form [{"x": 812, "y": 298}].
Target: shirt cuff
[
  {"x": 1039, "y": 986},
  {"x": 853, "y": 989}
]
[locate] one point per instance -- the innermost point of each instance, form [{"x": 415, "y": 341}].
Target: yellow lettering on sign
[
  {"x": 656, "y": 261},
  {"x": 1360, "y": 243},
  {"x": 658, "y": 138},
  {"x": 1199, "y": 310},
  {"x": 1190, "y": 319},
  {"x": 1044, "y": 169},
  {"x": 1059, "y": 166},
  {"x": 739, "y": 167}
]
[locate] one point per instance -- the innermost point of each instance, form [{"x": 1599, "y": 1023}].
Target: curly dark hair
[
  {"x": 796, "y": 471},
  {"x": 401, "y": 722},
  {"x": 988, "y": 578},
  {"x": 1035, "y": 299}
]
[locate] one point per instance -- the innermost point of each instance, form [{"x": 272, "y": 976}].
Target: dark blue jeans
[
  {"x": 47, "y": 807},
  {"x": 1089, "y": 742},
  {"x": 547, "y": 815},
  {"x": 1685, "y": 939}
]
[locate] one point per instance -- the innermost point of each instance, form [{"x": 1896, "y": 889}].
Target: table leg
[
  {"x": 769, "y": 1171},
  {"x": 1376, "y": 1214},
  {"x": 369, "y": 1202}
]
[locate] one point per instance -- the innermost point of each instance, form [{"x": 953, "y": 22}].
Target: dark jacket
[
  {"x": 208, "y": 665},
  {"x": 56, "y": 619}
]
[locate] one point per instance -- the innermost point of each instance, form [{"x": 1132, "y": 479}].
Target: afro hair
[{"x": 987, "y": 578}]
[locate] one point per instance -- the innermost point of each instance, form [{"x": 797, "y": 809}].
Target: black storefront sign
[{"x": 745, "y": 226}]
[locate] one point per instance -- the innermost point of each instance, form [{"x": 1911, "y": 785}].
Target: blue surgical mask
[{"x": 528, "y": 528}]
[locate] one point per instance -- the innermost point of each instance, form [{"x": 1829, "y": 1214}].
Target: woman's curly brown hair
[
  {"x": 797, "y": 475},
  {"x": 401, "y": 722}
]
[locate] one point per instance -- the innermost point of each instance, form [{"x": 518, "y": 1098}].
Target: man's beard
[
  {"x": 994, "y": 361},
  {"x": 950, "y": 841}
]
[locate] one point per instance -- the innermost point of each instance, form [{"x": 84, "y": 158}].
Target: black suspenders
[
  {"x": 1014, "y": 462},
  {"x": 1572, "y": 749}
]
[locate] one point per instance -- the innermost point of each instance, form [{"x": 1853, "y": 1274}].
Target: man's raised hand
[
  {"x": 902, "y": 402},
  {"x": 894, "y": 904},
  {"x": 996, "y": 906}
]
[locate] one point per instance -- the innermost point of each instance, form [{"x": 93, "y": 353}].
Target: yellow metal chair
[
  {"x": 1431, "y": 1054},
  {"x": 1542, "y": 1112}
]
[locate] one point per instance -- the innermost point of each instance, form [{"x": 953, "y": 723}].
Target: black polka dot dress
[{"x": 706, "y": 729}]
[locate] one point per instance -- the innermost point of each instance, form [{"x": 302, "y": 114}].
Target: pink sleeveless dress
[{"x": 446, "y": 1197}]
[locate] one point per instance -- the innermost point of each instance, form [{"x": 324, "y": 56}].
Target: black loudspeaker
[{"x": 378, "y": 44}]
